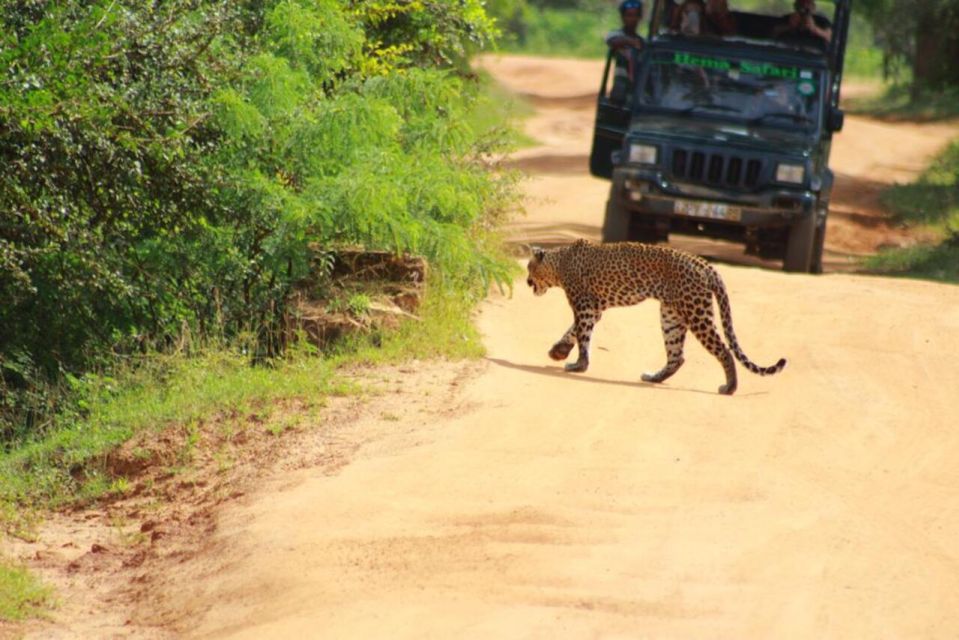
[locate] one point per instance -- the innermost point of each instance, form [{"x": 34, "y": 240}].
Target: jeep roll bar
[
  {"x": 835, "y": 52},
  {"x": 837, "y": 47}
]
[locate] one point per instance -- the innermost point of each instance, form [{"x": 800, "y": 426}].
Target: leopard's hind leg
[
  {"x": 674, "y": 336},
  {"x": 700, "y": 321}
]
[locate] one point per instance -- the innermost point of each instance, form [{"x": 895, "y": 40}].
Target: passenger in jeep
[
  {"x": 626, "y": 42},
  {"x": 719, "y": 21},
  {"x": 687, "y": 18},
  {"x": 804, "y": 22}
]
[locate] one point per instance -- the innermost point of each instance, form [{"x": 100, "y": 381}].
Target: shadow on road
[
  {"x": 558, "y": 372},
  {"x": 550, "y": 163},
  {"x": 583, "y": 101}
]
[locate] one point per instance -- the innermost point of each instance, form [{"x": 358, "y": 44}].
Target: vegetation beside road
[
  {"x": 169, "y": 171},
  {"x": 899, "y": 102},
  {"x": 70, "y": 464},
  {"x": 21, "y": 595},
  {"x": 932, "y": 203}
]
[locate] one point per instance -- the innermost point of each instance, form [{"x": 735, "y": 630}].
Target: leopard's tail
[{"x": 719, "y": 290}]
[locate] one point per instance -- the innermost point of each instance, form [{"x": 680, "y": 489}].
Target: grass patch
[
  {"x": 445, "y": 330},
  {"x": 940, "y": 262},
  {"x": 897, "y": 102},
  {"x": 68, "y": 464},
  {"x": 931, "y": 202},
  {"x": 933, "y": 199},
  {"x": 21, "y": 595}
]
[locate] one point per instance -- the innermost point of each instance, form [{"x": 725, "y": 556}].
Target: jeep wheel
[
  {"x": 819, "y": 242},
  {"x": 817, "y": 248},
  {"x": 616, "y": 222},
  {"x": 799, "y": 245},
  {"x": 642, "y": 228}
]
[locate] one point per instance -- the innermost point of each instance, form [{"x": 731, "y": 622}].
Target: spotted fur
[{"x": 597, "y": 277}]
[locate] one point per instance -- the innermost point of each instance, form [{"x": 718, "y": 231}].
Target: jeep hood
[{"x": 689, "y": 129}]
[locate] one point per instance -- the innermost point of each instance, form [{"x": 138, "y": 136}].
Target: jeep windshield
[{"x": 758, "y": 93}]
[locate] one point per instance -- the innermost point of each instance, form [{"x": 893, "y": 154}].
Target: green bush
[
  {"x": 575, "y": 33},
  {"x": 166, "y": 166},
  {"x": 933, "y": 199},
  {"x": 932, "y": 202}
]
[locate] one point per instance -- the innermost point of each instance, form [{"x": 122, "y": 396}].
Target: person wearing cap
[{"x": 625, "y": 42}]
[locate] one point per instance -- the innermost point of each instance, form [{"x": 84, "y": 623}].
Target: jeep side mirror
[{"x": 835, "y": 119}]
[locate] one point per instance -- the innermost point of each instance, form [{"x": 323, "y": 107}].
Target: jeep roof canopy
[{"x": 754, "y": 28}]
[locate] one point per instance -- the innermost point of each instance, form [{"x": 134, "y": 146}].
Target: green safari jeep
[{"x": 725, "y": 137}]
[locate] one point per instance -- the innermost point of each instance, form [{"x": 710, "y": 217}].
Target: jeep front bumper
[{"x": 652, "y": 194}]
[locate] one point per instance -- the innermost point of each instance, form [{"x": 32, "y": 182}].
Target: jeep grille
[{"x": 717, "y": 169}]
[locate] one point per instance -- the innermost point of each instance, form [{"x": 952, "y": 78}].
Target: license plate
[{"x": 710, "y": 210}]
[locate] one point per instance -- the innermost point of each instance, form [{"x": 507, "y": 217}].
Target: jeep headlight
[
  {"x": 643, "y": 153},
  {"x": 794, "y": 173}
]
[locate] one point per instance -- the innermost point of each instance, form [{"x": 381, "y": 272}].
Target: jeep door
[{"x": 612, "y": 120}]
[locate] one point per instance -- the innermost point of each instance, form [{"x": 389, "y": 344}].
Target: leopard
[{"x": 596, "y": 277}]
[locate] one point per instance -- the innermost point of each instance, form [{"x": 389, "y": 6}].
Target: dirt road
[{"x": 819, "y": 503}]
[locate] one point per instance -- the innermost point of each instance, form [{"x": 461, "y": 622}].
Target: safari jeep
[{"x": 724, "y": 137}]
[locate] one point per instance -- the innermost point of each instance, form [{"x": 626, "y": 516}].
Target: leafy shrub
[
  {"x": 567, "y": 32},
  {"x": 167, "y": 165}
]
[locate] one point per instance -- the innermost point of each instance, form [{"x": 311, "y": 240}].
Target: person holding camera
[{"x": 804, "y": 22}]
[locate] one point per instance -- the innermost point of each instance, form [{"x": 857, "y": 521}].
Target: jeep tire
[
  {"x": 819, "y": 242},
  {"x": 616, "y": 222},
  {"x": 800, "y": 242}
]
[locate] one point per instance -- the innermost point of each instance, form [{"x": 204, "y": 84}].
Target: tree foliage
[
  {"x": 166, "y": 165},
  {"x": 923, "y": 35}
]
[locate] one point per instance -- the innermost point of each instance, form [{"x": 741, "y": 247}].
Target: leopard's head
[{"x": 541, "y": 273}]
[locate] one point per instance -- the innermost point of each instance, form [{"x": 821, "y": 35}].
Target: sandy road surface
[{"x": 819, "y": 503}]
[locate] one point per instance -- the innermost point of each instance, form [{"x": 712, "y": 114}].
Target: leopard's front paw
[
  {"x": 577, "y": 367},
  {"x": 560, "y": 350}
]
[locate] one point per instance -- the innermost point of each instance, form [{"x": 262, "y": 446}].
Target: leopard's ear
[{"x": 538, "y": 253}]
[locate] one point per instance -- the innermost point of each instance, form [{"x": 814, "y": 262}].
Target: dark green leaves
[{"x": 166, "y": 165}]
